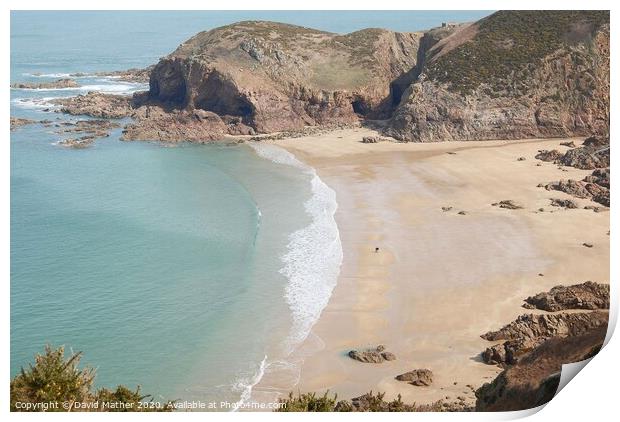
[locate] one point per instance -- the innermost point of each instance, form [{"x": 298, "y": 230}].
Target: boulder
[
  {"x": 376, "y": 355},
  {"x": 417, "y": 377}
]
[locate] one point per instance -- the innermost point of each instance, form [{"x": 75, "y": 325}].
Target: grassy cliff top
[
  {"x": 288, "y": 52},
  {"x": 510, "y": 42}
]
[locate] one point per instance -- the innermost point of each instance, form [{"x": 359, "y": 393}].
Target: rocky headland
[{"x": 511, "y": 75}]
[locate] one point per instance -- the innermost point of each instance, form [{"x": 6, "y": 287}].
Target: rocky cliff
[
  {"x": 514, "y": 74},
  {"x": 511, "y": 75},
  {"x": 271, "y": 77}
]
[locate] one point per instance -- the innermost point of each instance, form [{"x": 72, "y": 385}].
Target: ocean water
[{"x": 187, "y": 270}]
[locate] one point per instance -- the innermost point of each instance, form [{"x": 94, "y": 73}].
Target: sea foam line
[
  {"x": 314, "y": 253},
  {"x": 246, "y": 385},
  {"x": 311, "y": 264},
  {"x": 128, "y": 88}
]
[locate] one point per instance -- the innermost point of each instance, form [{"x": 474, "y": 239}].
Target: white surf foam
[
  {"x": 245, "y": 385},
  {"x": 311, "y": 263},
  {"x": 314, "y": 253},
  {"x": 116, "y": 88},
  {"x": 56, "y": 75},
  {"x": 34, "y": 103}
]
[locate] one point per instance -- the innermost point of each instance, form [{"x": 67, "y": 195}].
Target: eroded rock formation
[
  {"x": 276, "y": 77},
  {"x": 529, "y": 331},
  {"x": 96, "y": 104},
  {"x": 514, "y": 74},
  {"x": 534, "y": 380},
  {"x": 586, "y": 295}
]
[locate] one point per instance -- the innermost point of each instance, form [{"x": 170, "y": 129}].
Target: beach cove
[{"x": 440, "y": 279}]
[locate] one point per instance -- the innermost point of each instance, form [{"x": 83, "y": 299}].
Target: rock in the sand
[
  {"x": 594, "y": 153},
  {"x": 594, "y": 186},
  {"x": 494, "y": 355},
  {"x": 588, "y": 295},
  {"x": 446, "y": 209},
  {"x": 462, "y": 213},
  {"x": 60, "y": 83},
  {"x": 587, "y": 245},
  {"x": 376, "y": 355},
  {"x": 371, "y": 139},
  {"x": 569, "y": 144},
  {"x": 563, "y": 203},
  {"x": 417, "y": 377},
  {"x": 571, "y": 187},
  {"x": 521, "y": 159},
  {"x": 593, "y": 208},
  {"x": 546, "y": 155},
  {"x": 389, "y": 356},
  {"x": 508, "y": 204}
]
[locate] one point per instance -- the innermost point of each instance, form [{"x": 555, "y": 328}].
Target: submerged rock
[
  {"x": 60, "y": 83},
  {"x": 17, "y": 122}
]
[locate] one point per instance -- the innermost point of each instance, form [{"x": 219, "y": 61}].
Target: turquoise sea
[{"x": 186, "y": 270}]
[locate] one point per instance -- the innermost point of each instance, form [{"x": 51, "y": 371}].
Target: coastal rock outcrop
[
  {"x": 96, "y": 104},
  {"x": 529, "y": 331},
  {"x": 153, "y": 123},
  {"x": 16, "y": 122},
  {"x": 586, "y": 295},
  {"x": 595, "y": 187},
  {"x": 534, "y": 380},
  {"x": 376, "y": 355},
  {"x": 513, "y": 74},
  {"x": 592, "y": 154}
]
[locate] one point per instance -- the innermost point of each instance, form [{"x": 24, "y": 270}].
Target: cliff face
[
  {"x": 274, "y": 77},
  {"x": 512, "y": 75}
]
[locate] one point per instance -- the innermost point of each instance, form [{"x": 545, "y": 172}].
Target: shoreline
[{"x": 390, "y": 196}]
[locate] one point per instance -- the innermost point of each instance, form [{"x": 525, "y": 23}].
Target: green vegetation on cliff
[
  {"x": 511, "y": 43},
  {"x": 370, "y": 402},
  {"x": 54, "y": 383}
]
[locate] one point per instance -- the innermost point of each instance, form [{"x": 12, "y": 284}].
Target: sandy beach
[{"x": 441, "y": 278}]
